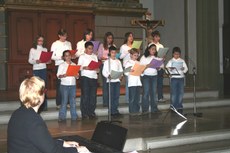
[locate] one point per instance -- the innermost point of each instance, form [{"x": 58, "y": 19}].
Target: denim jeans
[
  {"x": 88, "y": 96},
  {"x": 126, "y": 89},
  {"x": 68, "y": 93},
  {"x": 104, "y": 88},
  {"x": 43, "y": 75},
  {"x": 115, "y": 94},
  {"x": 134, "y": 99},
  {"x": 58, "y": 92},
  {"x": 177, "y": 92},
  {"x": 149, "y": 84},
  {"x": 160, "y": 84}
]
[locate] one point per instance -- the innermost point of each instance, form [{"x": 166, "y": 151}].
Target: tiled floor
[{"x": 151, "y": 125}]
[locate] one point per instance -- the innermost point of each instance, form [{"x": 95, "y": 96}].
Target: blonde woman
[{"x": 27, "y": 131}]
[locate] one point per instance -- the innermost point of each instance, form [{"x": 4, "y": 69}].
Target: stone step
[
  {"x": 176, "y": 141},
  {"x": 13, "y": 105},
  {"x": 52, "y": 114}
]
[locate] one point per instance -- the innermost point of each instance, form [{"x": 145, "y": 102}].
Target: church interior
[{"x": 200, "y": 28}]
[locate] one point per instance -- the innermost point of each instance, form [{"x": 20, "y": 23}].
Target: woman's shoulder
[
  {"x": 81, "y": 41},
  {"x": 24, "y": 114}
]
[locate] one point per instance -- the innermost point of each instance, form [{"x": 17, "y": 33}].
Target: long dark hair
[
  {"x": 35, "y": 43},
  {"x": 146, "y": 53},
  {"x": 105, "y": 43},
  {"x": 127, "y": 36},
  {"x": 87, "y": 32}
]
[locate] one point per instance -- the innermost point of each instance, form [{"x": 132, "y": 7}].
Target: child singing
[
  {"x": 87, "y": 36},
  {"x": 134, "y": 84},
  {"x": 149, "y": 80},
  {"x": 39, "y": 68},
  {"x": 67, "y": 88},
  {"x": 88, "y": 82},
  {"x": 103, "y": 52},
  {"x": 125, "y": 55},
  {"x": 177, "y": 65},
  {"x": 58, "y": 47},
  {"x": 113, "y": 64}
]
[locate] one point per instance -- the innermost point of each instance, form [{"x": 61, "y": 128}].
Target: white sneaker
[{"x": 162, "y": 100}]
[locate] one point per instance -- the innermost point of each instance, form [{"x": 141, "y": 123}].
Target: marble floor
[{"x": 162, "y": 124}]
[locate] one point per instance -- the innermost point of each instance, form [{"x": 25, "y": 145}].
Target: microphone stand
[
  {"x": 109, "y": 108},
  {"x": 194, "y": 95},
  {"x": 109, "y": 105}
]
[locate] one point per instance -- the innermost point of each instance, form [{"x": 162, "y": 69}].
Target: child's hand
[
  {"x": 86, "y": 68},
  {"x": 49, "y": 62},
  {"x": 62, "y": 76},
  {"x": 77, "y": 76},
  {"x": 147, "y": 66},
  {"x": 38, "y": 61},
  {"x": 73, "y": 57},
  {"x": 132, "y": 70}
]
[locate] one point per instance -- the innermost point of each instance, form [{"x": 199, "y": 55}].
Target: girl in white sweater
[{"x": 39, "y": 68}]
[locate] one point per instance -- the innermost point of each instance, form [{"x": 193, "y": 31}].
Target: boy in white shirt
[
  {"x": 134, "y": 84},
  {"x": 67, "y": 88},
  {"x": 113, "y": 64},
  {"x": 177, "y": 65},
  {"x": 88, "y": 82},
  {"x": 58, "y": 47}
]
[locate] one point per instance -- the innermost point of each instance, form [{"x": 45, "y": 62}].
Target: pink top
[{"x": 102, "y": 52}]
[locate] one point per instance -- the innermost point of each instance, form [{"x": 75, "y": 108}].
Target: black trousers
[{"x": 88, "y": 96}]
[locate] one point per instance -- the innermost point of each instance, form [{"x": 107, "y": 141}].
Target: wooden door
[
  {"x": 23, "y": 27},
  {"x": 76, "y": 25}
]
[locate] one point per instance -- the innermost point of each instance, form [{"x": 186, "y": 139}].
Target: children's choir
[{"x": 150, "y": 81}]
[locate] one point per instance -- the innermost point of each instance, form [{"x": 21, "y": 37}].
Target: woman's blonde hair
[{"x": 31, "y": 90}]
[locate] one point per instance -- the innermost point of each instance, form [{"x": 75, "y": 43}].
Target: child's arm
[
  {"x": 185, "y": 68},
  {"x": 55, "y": 56},
  {"x": 123, "y": 52},
  {"x": 105, "y": 70},
  {"x": 60, "y": 72},
  {"x": 31, "y": 59}
]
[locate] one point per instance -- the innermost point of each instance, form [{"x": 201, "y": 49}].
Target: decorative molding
[{"x": 114, "y": 7}]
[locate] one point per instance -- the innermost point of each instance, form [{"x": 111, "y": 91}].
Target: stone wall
[{"x": 118, "y": 25}]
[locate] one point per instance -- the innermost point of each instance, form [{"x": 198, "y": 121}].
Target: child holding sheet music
[
  {"x": 125, "y": 55},
  {"x": 58, "y": 47},
  {"x": 88, "y": 82},
  {"x": 103, "y": 52},
  {"x": 39, "y": 68},
  {"x": 134, "y": 84},
  {"x": 177, "y": 67},
  {"x": 67, "y": 88},
  {"x": 149, "y": 80},
  {"x": 156, "y": 40},
  {"x": 87, "y": 36},
  {"x": 113, "y": 65}
]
